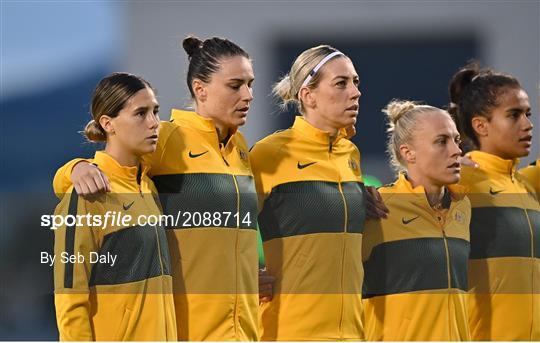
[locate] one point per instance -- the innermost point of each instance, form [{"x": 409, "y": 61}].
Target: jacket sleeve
[
  {"x": 71, "y": 278},
  {"x": 62, "y": 181},
  {"x": 261, "y": 158}
]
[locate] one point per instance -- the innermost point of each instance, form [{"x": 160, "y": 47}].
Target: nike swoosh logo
[
  {"x": 127, "y": 207},
  {"x": 492, "y": 192},
  {"x": 302, "y": 166},
  {"x": 407, "y": 221},
  {"x": 192, "y": 155}
]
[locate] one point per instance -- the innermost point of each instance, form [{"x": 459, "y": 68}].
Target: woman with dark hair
[
  {"x": 309, "y": 181},
  {"x": 492, "y": 111},
  {"x": 202, "y": 172},
  {"x": 112, "y": 281}
]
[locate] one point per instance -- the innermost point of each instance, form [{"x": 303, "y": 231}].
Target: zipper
[
  {"x": 236, "y": 240},
  {"x": 139, "y": 178},
  {"x": 346, "y": 219},
  {"x": 531, "y": 232},
  {"x": 532, "y": 269},
  {"x": 448, "y": 267}
]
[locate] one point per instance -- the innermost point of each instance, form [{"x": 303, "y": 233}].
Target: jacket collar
[
  {"x": 452, "y": 192},
  {"x": 311, "y": 132},
  {"x": 109, "y": 165},
  {"x": 494, "y": 163},
  {"x": 192, "y": 119}
]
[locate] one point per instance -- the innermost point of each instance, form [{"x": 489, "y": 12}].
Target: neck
[
  {"x": 434, "y": 193},
  {"x": 223, "y": 131},
  {"x": 319, "y": 123},
  {"x": 121, "y": 156},
  {"x": 490, "y": 149}
]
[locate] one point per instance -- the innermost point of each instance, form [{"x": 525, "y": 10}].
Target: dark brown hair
[
  {"x": 109, "y": 97},
  {"x": 474, "y": 92},
  {"x": 205, "y": 57}
]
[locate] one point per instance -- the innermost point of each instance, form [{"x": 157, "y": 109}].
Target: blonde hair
[
  {"x": 288, "y": 87},
  {"x": 403, "y": 116}
]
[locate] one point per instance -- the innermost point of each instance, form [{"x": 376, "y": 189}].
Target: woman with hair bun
[
  {"x": 202, "y": 171},
  {"x": 312, "y": 204},
  {"x": 492, "y": 111},
  {"x": 415, "y": 261},
  {"x": 128, "y": 295}
]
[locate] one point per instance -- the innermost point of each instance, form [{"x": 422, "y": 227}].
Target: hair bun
[
  {"x": 397, "y": 109},
  {"x": 191, "y": 44},
  {"x": 462, "y": 79},
  {"x": 94, "y": 132}
]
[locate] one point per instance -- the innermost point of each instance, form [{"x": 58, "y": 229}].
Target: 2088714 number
[{"x": 214, "y": 219}]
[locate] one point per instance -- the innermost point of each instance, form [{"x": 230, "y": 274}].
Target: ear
[
  {"x": 107, "y": 124},
  {"x": 407, "y": 154},
  {"x": 307, "y": 97},
  {"x": 199, "y": 90},
  {"x": 480, "y": 125}
]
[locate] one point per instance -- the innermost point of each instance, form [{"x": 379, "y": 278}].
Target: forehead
[
  {"x": 437, "y": 123},
  {"x": 143, "y": 97},
  {"x": 236, "y": 67},
  {"x": 341, "y": 66},
  {"x": 514, "y": 98}
]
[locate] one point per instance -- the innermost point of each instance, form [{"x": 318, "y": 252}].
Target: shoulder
[
  {"x": 271, "y": 144},
  {"x": 388, "y": 192},
  {"x": 471, "y": 177}
]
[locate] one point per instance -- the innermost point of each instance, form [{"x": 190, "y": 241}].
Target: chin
[
  {"x": 147, "y": 150},
  {"x": 240, "y": 122},
  {"x": 524, "y": 153},
  {"x": 454, "y": 179}
]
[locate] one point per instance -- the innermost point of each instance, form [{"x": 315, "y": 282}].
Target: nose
[
  {"x": 153, "y": 120},
  {"x": 528, "y": 123},
  {"x": 247, "y": 93},
  {"x": 455, "y": 150},
  {"x": 356, "y": 94}
]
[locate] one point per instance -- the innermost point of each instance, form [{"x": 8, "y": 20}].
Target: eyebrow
[
  {"x": 144, "y": 108},
  {"x": 346, "y": 77},
  {"x": 518, "y": 109},
  {"x": 242, "y": 80}
]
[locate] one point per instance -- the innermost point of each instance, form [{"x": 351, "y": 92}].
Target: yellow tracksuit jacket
[
  {"x": 129, "y": 298},
  {"x": 531, "y": 173},
  {"x": 311, "y": 224},
  {"x": 504, "y": 266},
  {"x": 213, "y": 242},
  {"x": 415, "y": 264}
]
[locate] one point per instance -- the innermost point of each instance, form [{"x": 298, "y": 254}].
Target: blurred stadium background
[{"x": 54, "y": 52}]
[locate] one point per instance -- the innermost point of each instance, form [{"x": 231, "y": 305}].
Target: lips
[
  {"x": 152, "y": 137},
  {"x": 526, "y": 139},
  {"x": 352, "y": 108},
  {"x": 243, "y": 109}
]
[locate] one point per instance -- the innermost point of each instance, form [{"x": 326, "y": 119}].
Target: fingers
[
  {"x": 89, "y": 181},
  {"x": 375, "y": 207},
  {"x": 266, "y": 283},
  {"x": 105, "y": 181},
  {"x": 467, "y": 161}
]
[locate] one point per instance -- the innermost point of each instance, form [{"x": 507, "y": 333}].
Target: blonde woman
[
  {"x": 312, "y": 204},
  {"x": 415, "y": 260}
]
